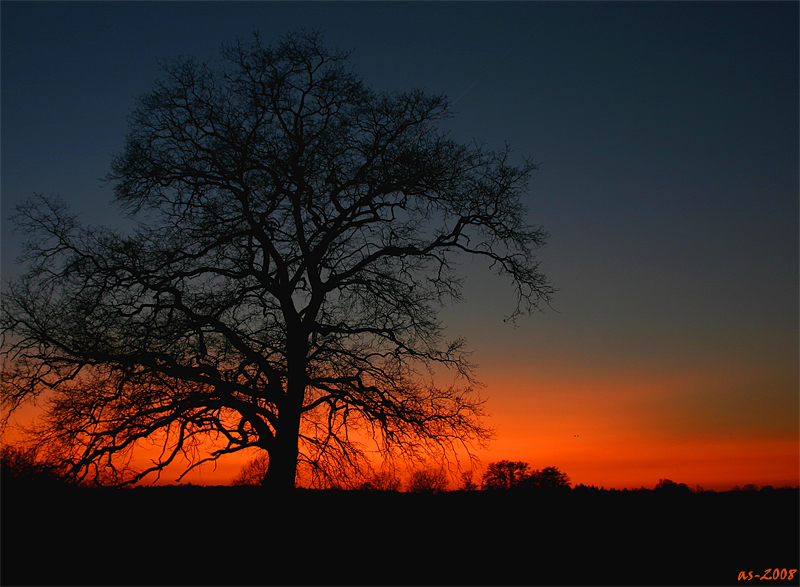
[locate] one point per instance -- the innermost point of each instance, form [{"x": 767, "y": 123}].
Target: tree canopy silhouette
[
  {"x": 518, "y": 475},
  {"x": 296, "y": 236},
  {"x": 672, "y": 486},
  {"x": 548, "y": 478},
  {"x": 505, "y": 474}
]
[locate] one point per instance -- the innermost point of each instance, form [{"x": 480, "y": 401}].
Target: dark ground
[{"x": 240, "y": 536}]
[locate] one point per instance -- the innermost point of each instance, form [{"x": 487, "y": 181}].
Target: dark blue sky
[{"x": 668, "y": 136}]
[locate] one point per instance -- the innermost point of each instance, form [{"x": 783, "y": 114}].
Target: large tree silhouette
[
  {"x": 506, "y": 474},
  {"x": 296, "y": 237}
]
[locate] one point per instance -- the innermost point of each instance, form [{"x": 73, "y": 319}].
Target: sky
[{"x": 668, "y": 139}]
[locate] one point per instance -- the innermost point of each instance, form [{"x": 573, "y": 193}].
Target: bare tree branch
[{"x": 297, "y": 235}]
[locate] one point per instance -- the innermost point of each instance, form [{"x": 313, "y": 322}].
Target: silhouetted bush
[
  {"x": 23, "y": 468},
  {"x": 382, "y": 481},
  {"x": 428, "y": 481},
  {"x": 252, "y": 473},
  {"x": 672, "y": 486}
]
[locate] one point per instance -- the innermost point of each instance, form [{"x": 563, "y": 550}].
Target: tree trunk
[{"x": 282, "y": 469}]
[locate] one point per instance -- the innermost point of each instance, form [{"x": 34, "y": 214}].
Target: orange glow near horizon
[
  {"x": 718, "y": 464},
  {"x": 630, "y": 429},
  {"x": 624, "y": 429}
]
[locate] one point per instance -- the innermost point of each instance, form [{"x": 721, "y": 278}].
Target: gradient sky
[{"x": 668, "y": 137}]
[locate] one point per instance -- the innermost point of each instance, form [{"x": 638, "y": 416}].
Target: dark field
[{"x": 241, "y": 536}]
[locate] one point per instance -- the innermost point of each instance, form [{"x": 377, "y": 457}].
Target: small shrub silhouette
[
  {"x": 382, "y": 481},
  {"x": 428, "y": 481}
]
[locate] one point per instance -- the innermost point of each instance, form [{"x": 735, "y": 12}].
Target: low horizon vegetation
[{"x": 22, "y": 467}]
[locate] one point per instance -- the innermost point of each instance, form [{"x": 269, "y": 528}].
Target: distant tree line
[{"x": 22, "y": 467}]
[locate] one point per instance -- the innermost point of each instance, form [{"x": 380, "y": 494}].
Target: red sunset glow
[
  {"x": 400, "y": 293},
  {"x": 668, "y": 186}
]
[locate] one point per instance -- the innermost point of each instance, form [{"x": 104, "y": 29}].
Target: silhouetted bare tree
[
  {"x": 297, "y": 235},
  {"x": 253, "y": 471},
  {"x": 428, "y": 481},
  {"x": 468, "y": 482}
]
